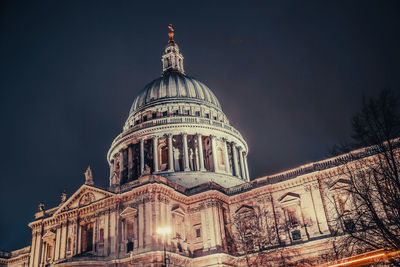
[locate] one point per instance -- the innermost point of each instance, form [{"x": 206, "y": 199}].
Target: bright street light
[{"x": 164, "y": 231}]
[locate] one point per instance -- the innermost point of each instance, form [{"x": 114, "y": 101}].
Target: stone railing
[
  {"x": 313, "y": 167},
  {"x": 178, "y": 120}
]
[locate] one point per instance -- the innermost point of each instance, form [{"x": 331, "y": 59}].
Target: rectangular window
[
  {"x": 296, "y": 235},
  {"x": 215, "y": 118},
  {"x": 164, "y": 113},
  {"x": 207, "y": 116},
  {"x": 186, "y": 112},
  {"x": 197, "y": 113},
  {"x": 154, "y": 115},
  {"x": 144, "y": 118},
  {"x": 198, "y": 232},
  {"x": 176, "y": 112},
  {"x": 137, "y": 122}
]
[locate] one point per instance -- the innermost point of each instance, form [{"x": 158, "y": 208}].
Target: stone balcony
[{"x": 179, "y": 120}]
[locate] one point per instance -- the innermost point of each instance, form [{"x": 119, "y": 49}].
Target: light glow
[
  {"x": 163, "y": 230},
  {"x": 357, "y": 260}
]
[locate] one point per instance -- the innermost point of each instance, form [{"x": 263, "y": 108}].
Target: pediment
[
  {"x": 289, "y": 197},
  {"x": 178, "y": 211},
  {"x": 84, "y": 196},
  {"x": 339, "y": 184},
  {"x": 128, "y": 212},
  {"x": 244, "y": 209},
  {"x": 49, "y": 235}
]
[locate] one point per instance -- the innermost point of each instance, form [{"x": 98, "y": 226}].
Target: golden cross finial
[{"x": 171, "y": 34}]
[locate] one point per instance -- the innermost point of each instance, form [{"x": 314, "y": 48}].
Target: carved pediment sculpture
[
  {"x": 85, "y": 195},
  {"x": 87, "y": 199}
]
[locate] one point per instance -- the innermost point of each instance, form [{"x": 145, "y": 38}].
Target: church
[{"x": 179, "y": 188}]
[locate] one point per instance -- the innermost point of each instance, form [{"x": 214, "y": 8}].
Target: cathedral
[{"x": 179, "y": 185}]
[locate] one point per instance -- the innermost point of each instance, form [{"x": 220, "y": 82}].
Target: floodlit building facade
[{"x": 180, "y": 165}]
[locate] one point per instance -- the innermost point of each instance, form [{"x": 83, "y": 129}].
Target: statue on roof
[
  {"x": 89, "y": 176},
  {"x": 63, "y": 196}
]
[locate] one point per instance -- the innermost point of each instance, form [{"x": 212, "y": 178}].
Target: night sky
[{"x": 289, "y": 76}]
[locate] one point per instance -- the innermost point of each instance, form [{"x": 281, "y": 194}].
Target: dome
[
  {"x": 176, "y": 129},
  {"x": 174, "y": 86}
]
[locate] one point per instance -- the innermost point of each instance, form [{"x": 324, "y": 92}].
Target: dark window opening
[
  {"x": 164, "y": 113},
  {"x": 129, "y": 247},
  {"x": 101, "y": 236},
  {"x": 296, "y": 235},
  {"x": 137, "y": 122},
  {"x": 154, "y": 115},
  {"x": 186, "y": 112},
  {"x": 207, "y": 116},
  {"x": 176, "y": 112},
  {"x": 197, "y": 113},
  {"x": 198, "y": 232},
  {"x": 349, "y": 226},
  {"x": 215, "y": 118},
  {"x": 87, "y": 237},
  {"x": 144, "y": 118}
]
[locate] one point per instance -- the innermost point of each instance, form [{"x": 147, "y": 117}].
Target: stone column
[
  {"x": 214, "y": 152},
  {"x": 155, "y": 153},
  {"x": 200, "y": 147},
  {"x": 141, "y": 226},
  {"x": 226, "y": 158},
  {"x": 130, "y": 162},
  {"x": 141, "y": 156},
  {"x": 235, "y": 160},
  {"x": 33, "y": 248},
  {"x": 246, "y": 168},
  {"x": 121, "y": 165},
  {"x": 111, "y": 170},
  {"x": 241, "y": 163},
  {"x": 170, "y": 154},
  {"x": 57, "y": 245},
  {"x": 185, "y": 153}
]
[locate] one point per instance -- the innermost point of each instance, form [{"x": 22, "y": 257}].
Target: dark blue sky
[{"x": 289, "y": 75}]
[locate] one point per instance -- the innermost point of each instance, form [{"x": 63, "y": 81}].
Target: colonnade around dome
[{"x": 174, "y": 153}]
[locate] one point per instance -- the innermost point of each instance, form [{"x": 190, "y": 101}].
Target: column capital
[
  {"x": 212, "y": 136},
  {"x": 184, "y": 134},
  {"x": 224, "y": 139},
  {"x": 154, "y": 137},
  {"x": 168, "y": 135}
]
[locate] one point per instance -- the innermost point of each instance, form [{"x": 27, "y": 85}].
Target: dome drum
[{"x": 179, "y": 153}]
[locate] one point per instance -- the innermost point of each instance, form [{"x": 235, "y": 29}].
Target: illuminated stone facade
[{"x": 179, "y": 163}]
